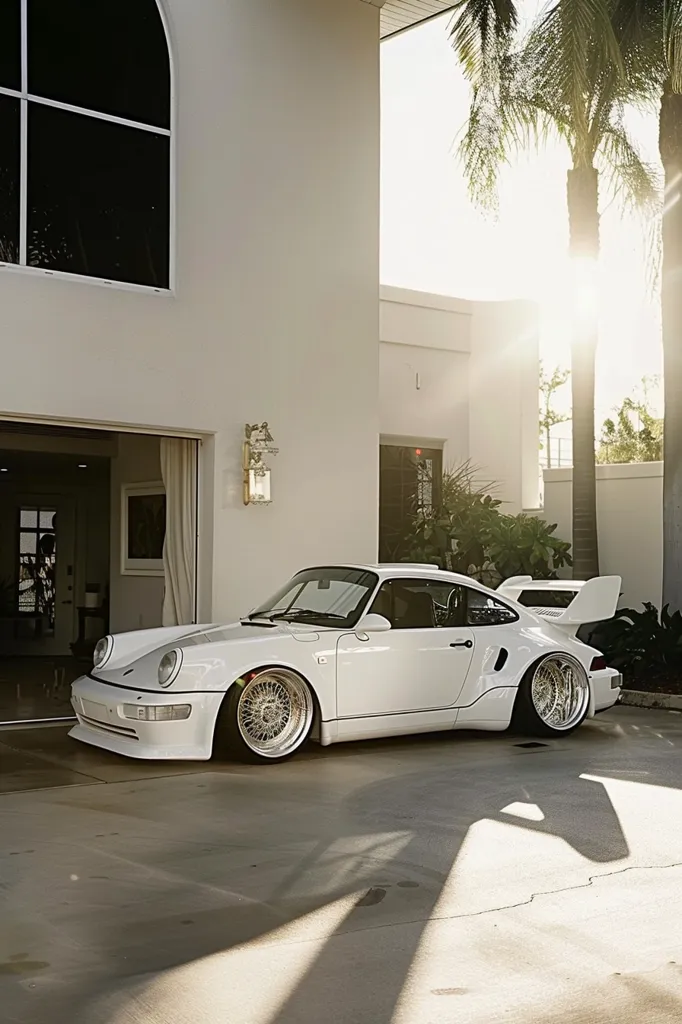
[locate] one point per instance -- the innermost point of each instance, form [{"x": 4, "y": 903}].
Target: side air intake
[{"x": 501, "y": 659}]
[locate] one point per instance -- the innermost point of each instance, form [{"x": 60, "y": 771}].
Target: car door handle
[{"x": 463, "y": 643}]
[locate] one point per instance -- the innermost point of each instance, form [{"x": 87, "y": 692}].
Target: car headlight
[
  {"x": 169, "y": 666},
  {"x": 103, "y": 651}
]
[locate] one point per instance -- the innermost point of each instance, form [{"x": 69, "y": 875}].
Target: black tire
[
  {"x": 533, "y": 711},
  {"x": 254, "y": 706}
]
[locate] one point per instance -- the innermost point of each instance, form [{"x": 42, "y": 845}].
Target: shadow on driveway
[{"x": 372, "y": 841}]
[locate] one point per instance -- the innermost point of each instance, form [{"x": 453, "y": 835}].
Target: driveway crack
[{"x": 555, "y": 892}]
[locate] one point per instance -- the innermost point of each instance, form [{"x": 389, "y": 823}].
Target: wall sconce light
[{"x": 258, "y": 442}]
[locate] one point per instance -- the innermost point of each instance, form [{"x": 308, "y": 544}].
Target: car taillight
[{"x": 598, "y": 664}]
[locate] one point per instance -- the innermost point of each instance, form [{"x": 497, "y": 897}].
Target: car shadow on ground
[{"x": 430, "y": 810}]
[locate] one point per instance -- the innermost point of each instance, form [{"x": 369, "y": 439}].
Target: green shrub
[
  {"x": 634, "y": 640},
  {"x": 468, "y": 533}
]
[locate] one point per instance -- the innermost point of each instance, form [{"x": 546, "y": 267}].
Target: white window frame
[{"x": 24, "y": 98}]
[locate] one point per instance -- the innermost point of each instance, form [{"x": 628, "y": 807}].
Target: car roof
[{"x": 393, "y": 569}]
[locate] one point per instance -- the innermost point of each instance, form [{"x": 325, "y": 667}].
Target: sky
[{"x": 434, "y": 239}]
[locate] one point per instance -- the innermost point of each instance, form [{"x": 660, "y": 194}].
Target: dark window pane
[
  {"x": 9, "y": 180},
  {"x": 546, "y": 598},
  {"x": 108, "y": 57},
  {"x": 10, "y": 44},
  {"x": 98, "y": 198}
]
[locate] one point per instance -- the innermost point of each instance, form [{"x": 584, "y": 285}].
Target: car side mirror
[{"x": 373, "y": 623}]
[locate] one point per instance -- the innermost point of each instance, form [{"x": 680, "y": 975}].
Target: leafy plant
[
  {"x": 635, "y": 435},
  {"x": 468, "y": 533},
  {"x": 633, "y": 639}
]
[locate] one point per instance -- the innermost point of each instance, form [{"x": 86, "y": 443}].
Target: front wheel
[
  {"x": 553, "y": 698},
  {"x": 267, "y": 717}
]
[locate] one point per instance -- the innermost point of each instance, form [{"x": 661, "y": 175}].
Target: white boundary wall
[{"x": 629, "y": 519}]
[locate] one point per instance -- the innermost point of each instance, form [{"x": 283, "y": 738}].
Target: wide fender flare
[
  {"x": 515, "y": 669},
  {"x": 540, "y": 656},
  {"x": 255, "y": 669}
]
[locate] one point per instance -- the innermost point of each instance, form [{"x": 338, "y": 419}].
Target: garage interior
[{"x": 82, "y": 532}]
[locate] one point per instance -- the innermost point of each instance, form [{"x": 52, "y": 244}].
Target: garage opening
[{"x": 98, "y": 534}]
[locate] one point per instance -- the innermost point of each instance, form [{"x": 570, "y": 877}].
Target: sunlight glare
[
  {"x": 268, "y": 970},
  {"x": 585, "y": 291},
  {"x": 529, "y": 812}
]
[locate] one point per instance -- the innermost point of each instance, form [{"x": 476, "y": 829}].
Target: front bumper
[
  {"x": 606, "y": 688},
  {"x": 101, "y": 722}
]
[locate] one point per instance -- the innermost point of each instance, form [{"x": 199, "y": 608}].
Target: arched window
[{"x": 85, "y": 126}]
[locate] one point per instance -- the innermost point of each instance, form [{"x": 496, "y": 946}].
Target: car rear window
[{"x": 546, "y": 598}]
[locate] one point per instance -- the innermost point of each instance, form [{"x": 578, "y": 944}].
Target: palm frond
[
  {"x": 672, "y": 41},
  {"x": 638, "y": 26},
  {"x": 507, "y": 116},
  {"x": 476, "y": 30},
  {"x": 581, "y": 30},
  {"x": 629, "y": 176}
]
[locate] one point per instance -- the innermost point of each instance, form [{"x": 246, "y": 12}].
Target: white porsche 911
[{"x": 349, "y": 653}]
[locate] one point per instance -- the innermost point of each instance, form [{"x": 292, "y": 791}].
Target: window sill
[{"x": 62, "y": 275}]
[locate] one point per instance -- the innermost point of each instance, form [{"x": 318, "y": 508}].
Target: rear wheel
[
  {"x": 267, "y": 717},
  {"x": 553, "y": 698}
]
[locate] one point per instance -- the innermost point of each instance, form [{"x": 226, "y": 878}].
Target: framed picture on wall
[{"x": 143, "y": 529}]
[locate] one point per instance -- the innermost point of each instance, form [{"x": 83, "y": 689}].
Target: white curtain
[{"x": 178, "y": 470}]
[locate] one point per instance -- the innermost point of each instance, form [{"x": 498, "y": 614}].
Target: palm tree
[
  {"x": 664, "y": 21},
  {"x": 571, "y": 77}
]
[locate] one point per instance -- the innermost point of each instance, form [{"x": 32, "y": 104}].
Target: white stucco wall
[
  {"x": 275, "y": 316},
  {"x": 503, "y": 399},
  {"x": 463, "y": 375},
  {"x": 629, "y": 521},
  {"x": 424, "y": 358}
]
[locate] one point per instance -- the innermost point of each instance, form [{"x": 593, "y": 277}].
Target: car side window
[
  {"x": 420, "y": 604},
  {"x": 484, "y": 610}
]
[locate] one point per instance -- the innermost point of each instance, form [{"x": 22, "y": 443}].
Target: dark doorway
[
  {"x": 55, "y": 541},
  {"x": 410, "y": 481}
]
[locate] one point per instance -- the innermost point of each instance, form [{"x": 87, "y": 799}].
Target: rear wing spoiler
[{"x": 575, "y": 603}]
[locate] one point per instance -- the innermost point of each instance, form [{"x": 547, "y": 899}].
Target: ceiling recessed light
[
  {"x": 3, "y": 470},
  {"x": 82, "y": 465}
]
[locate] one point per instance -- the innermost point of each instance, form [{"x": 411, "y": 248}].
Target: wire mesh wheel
[
  {"x": 275, "y": 713},
  {"x": 560, "y": 692}
]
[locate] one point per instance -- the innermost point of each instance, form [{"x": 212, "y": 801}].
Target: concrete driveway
[{"x": 449, "y": 878}]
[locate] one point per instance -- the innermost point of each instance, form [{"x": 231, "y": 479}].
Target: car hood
[{"x": 135, "y": 658}]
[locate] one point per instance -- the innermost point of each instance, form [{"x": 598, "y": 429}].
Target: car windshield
[{"x": 334, "y": 597}]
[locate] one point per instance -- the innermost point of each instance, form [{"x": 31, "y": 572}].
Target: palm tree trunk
[
  {"x": 670, "y": 144},
  {"x": 583, "y": 217}
]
